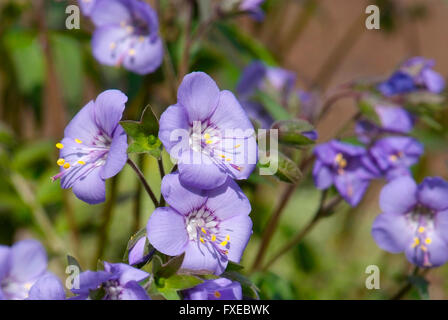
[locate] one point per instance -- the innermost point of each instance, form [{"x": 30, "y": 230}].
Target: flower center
[
  {"x": 340, "y": 162},
  {"x": 203, "y": 226},
  {"x": 113, "y": 290},
  {"x": 83, "y": 158},
  {"x": 208, "y": 140},
  {"x": 421, "y": 220}
]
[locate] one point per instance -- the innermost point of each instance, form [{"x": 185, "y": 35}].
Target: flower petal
[
  {"x": 399, "y": 195},
  {"x": 239, "y": 229},
  {"x": 201, "y": 257},
  {"x": 48, "y": 287},
  {"x": 117, "y": 156},
  {"x": 183, "y": 200},
  {"x": 109, "y": 107},
  {"x": 125, "y": 273},
  {"x": 107, "y": 12},
  {"x": 323, "y": 177},
  {"x": 391, "y": 232},
  {"x": 145, "y": 56},
  {"x": 351, "y": 187},
  {"x": 82, "y": 126},
  {"x": 89, "y": 280},
  {"x": 91, "y": 188},
  {"x": 198, "y": 171},
  {"x": 433, "y": 80},
  {"x": 110, "y": 45},
  {"x": 174, "y": 128},
  {"x": 228, "y": 201},
  {"x": 167, "y": 232},
  {"x": 433, "y": 193},
  {"x": 28, "y": 260},
  {"x": 133, "y": 291},
  {"x": 199, "y": 95},
  {"x": 5, "y": 261}
]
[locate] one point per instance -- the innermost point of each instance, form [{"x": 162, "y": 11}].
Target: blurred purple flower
[
  {"x": 126, "y": 34},
  {"x": 48, "y": 287},
  {"x": 211, "y": 227},
  {"x": 253, "y": 7},
  {"x": 20, "y": 267},
  {"x": 218, "y": 289},
  {"x": 415, "y": 73},
  {"x": 309, "y": 104},
  {"x": 209, "y": 133},
  {"x": 392, "y": 120},
  {"x": 395, "y": 155},
  {"x": 414, "y": 220},
  {"x": 94, "y": 147},
  {"x": 118, "y": 280},
  {"x": 86, "y": 6},
  {"x": 346, "y": 166}
]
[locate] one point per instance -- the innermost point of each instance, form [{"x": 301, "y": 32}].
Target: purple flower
[
  {"x": 346, "y": 166},
  {"x": 394, "y": 155},
  {"x": 258, "y": 76},
  {"x": 219, "y": 289},
  {"x": 137, "y": 253},
  {"x": 210, "y": 226},
  {"x": 86, "y": 6},
  {"x": 118, "y": 280},
  {"x": 253, "y": 7},
  {"x": 126, "y": 34},
  {"x": 414, "y": 220},
  {"x": 94, "y": 147},
  {"x": 48, "y": 287},
  {"x": 208, "y": 133},
  {"x": 310, "y": 104},
  {"x": 20, "y": 267},
  {"x": 392, "y": 120},
  {"x": 415, "y": 73}
]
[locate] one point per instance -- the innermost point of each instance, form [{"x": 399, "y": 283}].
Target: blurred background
[{"x": 47, "y": 73}]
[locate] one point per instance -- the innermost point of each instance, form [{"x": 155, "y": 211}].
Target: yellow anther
[
  {"x": 423, "y": 248},
  {"x": 208, "y": 141},
  {"x": 112, "y": 45},
  {"x": 237, "y": 146},
  {"x": 227, "y": 237},
  {"x": 132, "y": 52},
  {"x": 141, "y": 39},
  {"x": 217, "y": 294},
  {"x": 129, "y": 29},
  {"x": 60, "y": 162},
  {"x": 223, "y": 156},
  {"x": 78, "y": 141},
  {"x": 207, "y": 136},
  {"x": 224, "y": 243},
  {"x": 66, "y": 165},
  {"x": 421, "y": 229},
  {"x": 393, "y": 158},
  {"x": 203, "y": 231},
  {"x": 228, "y": 159},
  {"x": 343, "y": 163},
  {"x": 202, "y": 240},
  {"x": 338, "y": 157},
  {"x": 226, "y": 252},
  {"x": 81, "y": 162},
  {"x": 428, "y": 240},
  {"x": 213, "y": 238},
  {"x": 416, "y": 242},
  {"x": 59, "y": 145}
]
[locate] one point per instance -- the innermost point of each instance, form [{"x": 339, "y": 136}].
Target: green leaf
[
  {"x": 368, "y": 110},
  {"x": 71, "y": 261},
  {"x": 421, "y": 284},
  {"x": 133, "y": 240},
  {"x": 286, "y": 169},
  {"x": 171, "y": 267},
  {"x": 182, "y": 282},
  {"x": 290, "y": 132},
  {"x": 169, "y": 294},
  {"x": 144, "y": 134},
  {"x": 232, "y": 266}
]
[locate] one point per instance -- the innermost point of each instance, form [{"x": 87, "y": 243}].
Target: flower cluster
[
  {"x": 208, "y": 218},
  {"x": 126, "y": 34}
]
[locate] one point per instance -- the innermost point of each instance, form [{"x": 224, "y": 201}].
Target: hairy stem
[{"x": 144, "y": 182}]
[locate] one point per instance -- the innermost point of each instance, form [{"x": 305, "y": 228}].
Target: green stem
[
  {"x": 144, "y": 182},
  {"x": 322, "y": 211},
  {"x": 408, "y": 285},
  {"x": 162, "y": 174}
]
